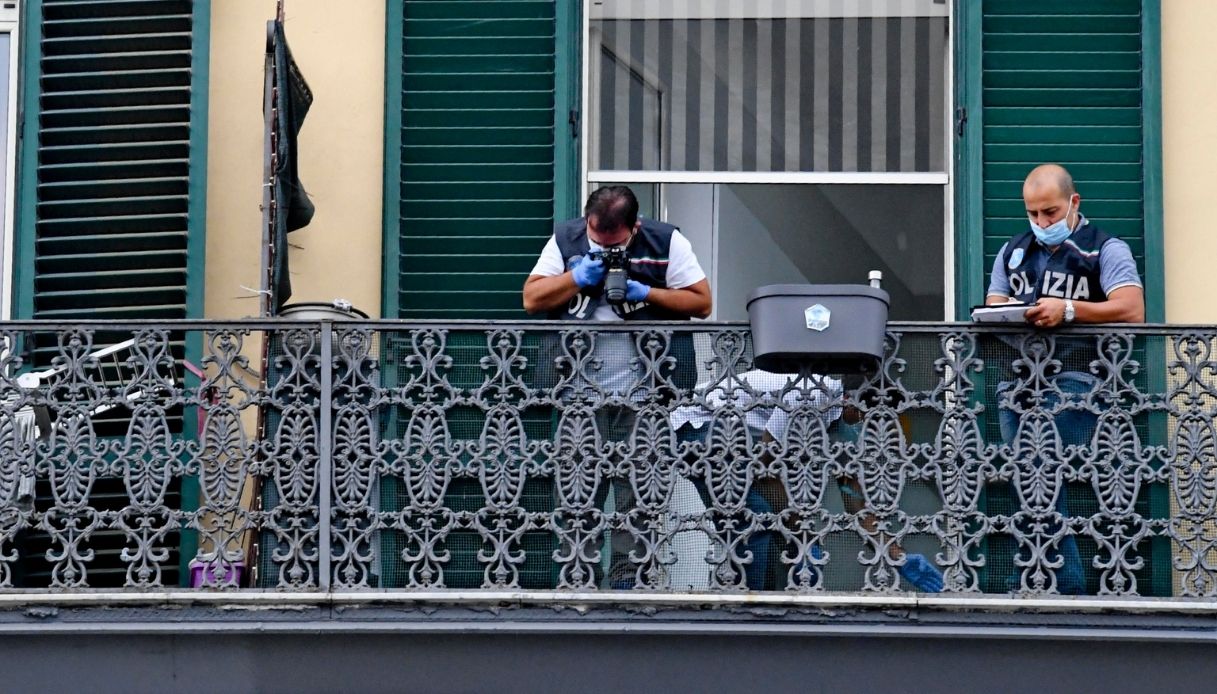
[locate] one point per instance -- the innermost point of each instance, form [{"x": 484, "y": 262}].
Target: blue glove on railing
[
  {"x": 921, "y": 573},
  {"x": 636, "y": 291},
  {"x": 588, "y": 272}
]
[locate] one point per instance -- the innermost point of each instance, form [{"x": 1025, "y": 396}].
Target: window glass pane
[
  {"x": 816, "y": 234},
  {"x": 5, "y": 47},
  {"x": 793, "y": 86}
]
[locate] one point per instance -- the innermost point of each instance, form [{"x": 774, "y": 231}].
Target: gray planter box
[{"x": 828, "y": 328}]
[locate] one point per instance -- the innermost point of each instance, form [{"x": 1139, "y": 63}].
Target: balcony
[
  {"x": 507, "y": 457},
  {"x": 643, "y": 477}
]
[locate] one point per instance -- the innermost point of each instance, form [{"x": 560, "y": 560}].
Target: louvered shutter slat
[
  {"x": 113, "y": 170},
  {"x": 477, "y": 154},
  {"x": 107, "y": 201},
  {"x": 1062, "y": 83}
]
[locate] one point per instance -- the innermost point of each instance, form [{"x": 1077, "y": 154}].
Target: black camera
[{"x": 616, "y": 265}]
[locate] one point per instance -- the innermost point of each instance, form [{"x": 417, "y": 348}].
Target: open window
[{"x": 800, "y": 141}]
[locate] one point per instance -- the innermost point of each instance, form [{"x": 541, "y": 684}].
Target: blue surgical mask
[{"x": 1054, "y": 234}]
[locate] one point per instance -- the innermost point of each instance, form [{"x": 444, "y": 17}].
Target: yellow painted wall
[
  {"x": 339, "y": 47},
  {"x": 1189, "y": 156}
]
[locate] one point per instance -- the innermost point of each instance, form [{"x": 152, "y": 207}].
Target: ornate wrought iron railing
[{"x": 482, "y": 456}]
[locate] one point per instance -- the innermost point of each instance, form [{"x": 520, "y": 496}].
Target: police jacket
[
  {"x": 648, "y": 255},
  {"x": 1071, "y": 272}
]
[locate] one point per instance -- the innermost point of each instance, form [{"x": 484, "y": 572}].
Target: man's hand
[
  {"x": 587, "y": 272},
  {"x": 1046, "y": 313},
  {"x": 918, "y": 570},
  {"x": 636, "y": 291}
]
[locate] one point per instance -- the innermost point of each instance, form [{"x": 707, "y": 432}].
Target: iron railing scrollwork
[{"x": 425, "y": 456}]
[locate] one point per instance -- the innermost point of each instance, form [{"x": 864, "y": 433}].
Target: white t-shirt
[
  {"x": 820, "y": 393},
  {"x": 683, "y": 268}
]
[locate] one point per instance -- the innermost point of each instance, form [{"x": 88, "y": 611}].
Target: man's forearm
[
  {"x": 689, "y": 301},
  {"x": 1123, "y": 305},
  {"x": 1124, "y": 310},
  {"x": 548, "y": 293}
]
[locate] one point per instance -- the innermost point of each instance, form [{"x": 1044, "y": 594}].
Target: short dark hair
[{"x": 613, "y": 207}]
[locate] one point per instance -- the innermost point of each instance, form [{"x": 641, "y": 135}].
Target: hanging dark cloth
[{"x": 293, "y": 209}]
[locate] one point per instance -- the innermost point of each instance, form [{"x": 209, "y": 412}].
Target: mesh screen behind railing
[
  {"x": 1081, "y": 370},
  {"x": 539, "y": 377},
  {"x": 465, "y": 422},
  {"x": 382, "y": 455},
  {"x": 112, "y": 362}
]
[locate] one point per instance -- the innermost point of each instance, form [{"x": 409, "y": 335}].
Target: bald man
[
  {"x": 1066, "y": 266},
  {"x": 1073, "y": 273}
]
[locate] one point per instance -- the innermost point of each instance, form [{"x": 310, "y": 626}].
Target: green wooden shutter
[
  {"x": 1064, "y": 82},
  {"x": 112, "y": 199},
  {"x": 472, "y": 132},
  {"x": 114, "y": 159}
]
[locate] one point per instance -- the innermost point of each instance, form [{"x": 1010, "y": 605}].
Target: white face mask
[{"x": 1055, "y": 233}]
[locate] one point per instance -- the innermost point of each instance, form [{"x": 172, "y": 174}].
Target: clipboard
[{"x": 1013, "y": 312}]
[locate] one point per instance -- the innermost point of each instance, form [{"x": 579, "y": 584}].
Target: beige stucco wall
[
  {"x": 339, "y": 47},
  {"x": 1189, "y": 156}
]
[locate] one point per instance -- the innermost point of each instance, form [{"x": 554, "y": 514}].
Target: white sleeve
[
  {"x": 550, "y": 263},
  {"x": 683, "y": 268}
]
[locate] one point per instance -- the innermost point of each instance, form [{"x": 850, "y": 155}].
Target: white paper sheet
[{"x": 1001, "y": 313}]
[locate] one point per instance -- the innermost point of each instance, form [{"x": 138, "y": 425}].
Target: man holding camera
[
  {"x": 579, "y": 273},
  {"x": 609, "y": 265}
]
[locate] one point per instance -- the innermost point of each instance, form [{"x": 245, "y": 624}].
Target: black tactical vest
[
  {"x": 648, "y": 264},
  {"x": 1072, "y": 272}
]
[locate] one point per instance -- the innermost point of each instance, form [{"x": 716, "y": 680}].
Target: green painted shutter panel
[
  {"x": 108, "y": 234},
  {"x": 1062, "y": 82},
  {"x": 477, "y": 154},
  {"x": 110, "y": 211}
]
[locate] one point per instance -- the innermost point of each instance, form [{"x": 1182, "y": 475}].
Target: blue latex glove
[
  {"x": 636, "y": 291},
  {"x": 588, "y": 272},
  {"x": 921, "y": 573}
]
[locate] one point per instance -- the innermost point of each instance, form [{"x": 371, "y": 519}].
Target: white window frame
[
  {"x": 9, "y": 24},
  {"x": 761, "y": 9}
]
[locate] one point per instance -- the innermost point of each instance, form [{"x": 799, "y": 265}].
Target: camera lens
[{"x": 614, "y": 285}]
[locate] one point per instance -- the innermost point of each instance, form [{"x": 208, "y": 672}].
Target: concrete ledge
[
  {"x": 380, "y": 616},
  {"x": 395, "y": 648},
  {"x": 989, "y": 603},
  {"x": 515, "y": 641}
]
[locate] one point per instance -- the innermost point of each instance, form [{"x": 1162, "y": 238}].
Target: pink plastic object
[{"x": 231, "y": 575}]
